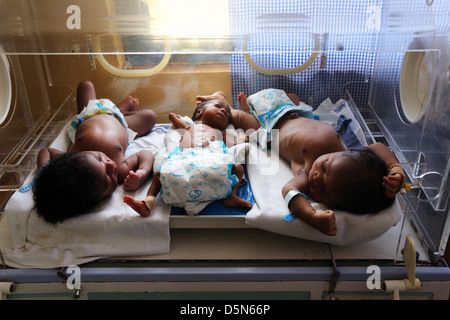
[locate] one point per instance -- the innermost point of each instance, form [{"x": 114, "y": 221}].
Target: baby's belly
[
  {"x": 102, "y": 133},
  {"x": 302, "y": 140}
]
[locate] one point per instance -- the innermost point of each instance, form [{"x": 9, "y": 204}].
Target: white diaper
[
  {"x": 95, "y": 107},
  {"x": 269, "y": 105},
  {"x": 197, "y": 175}
]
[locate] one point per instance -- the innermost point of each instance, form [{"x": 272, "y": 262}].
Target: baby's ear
[{"x": 198, "y": 113}]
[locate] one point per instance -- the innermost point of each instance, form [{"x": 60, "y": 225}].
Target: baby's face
[
  {"x": 327, "y": 178},
  {"x": 216, "y": 114},
  {"x": 105, "y": 170}
]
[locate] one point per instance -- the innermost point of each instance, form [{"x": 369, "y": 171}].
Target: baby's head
[
  {"x": 73, "y": 183},
  {"x": 215, "y": 113},
  {"x": 350, "y": 180}
]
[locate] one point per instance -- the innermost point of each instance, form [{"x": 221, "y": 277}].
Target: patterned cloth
[
  {"x": 269, "y": 105},
  {"x": 197, "y": 175}
]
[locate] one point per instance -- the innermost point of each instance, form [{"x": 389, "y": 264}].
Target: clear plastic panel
[
  {"x": 37, "y": 114},
  {"x": 66, "y": 26}
]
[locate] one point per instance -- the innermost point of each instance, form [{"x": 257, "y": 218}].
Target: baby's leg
[
  {"x": 242, "y": 118},
  {"x": 144, "y": 207},
  {"x": 85, "y": 92},
  {"x": 141, "y": 121},
  {"x": 294, "y": 98},
  {"x": 233, "y": 200},
  {"x": 243, "y": 104},
  {"x": 139, "y": 206}
]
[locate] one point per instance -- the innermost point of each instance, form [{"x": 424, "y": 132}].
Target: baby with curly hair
[{"x": 70, "y": 183}]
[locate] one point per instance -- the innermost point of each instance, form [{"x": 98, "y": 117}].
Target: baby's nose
[{"x": 224, "y": 111}]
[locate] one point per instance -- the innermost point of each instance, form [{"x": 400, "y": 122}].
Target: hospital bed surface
[{"x": 247, "y": 244}]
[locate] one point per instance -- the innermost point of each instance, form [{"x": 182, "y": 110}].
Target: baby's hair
[
  {"x": 365, "y": 192},
  {"x": 65, "y": 188},
  {"x": 195, "y": 116}
]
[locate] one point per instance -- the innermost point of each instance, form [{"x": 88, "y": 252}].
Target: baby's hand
[
  {"x": 133, "y": 180},
  {"x": 325, "y": 222},
  {"x": 328, "y": 222},
  {"x": 392, "y": 184},
  {"x": 216, "y": 95},
  {"x": 178, "y": 122}
]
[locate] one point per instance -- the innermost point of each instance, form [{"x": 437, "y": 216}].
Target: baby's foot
[
  {"x": 129, "y": 104},
  {"x": 133, "y": 180},
  {"x": 243, "y": 104},
  {"x": 294, "y": 98},
  {"x": 233, "y": 201},
  {"x": 325, "y": 222},
  {"x": 139, "y": 206}
]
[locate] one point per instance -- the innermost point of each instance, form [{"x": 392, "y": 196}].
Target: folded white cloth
[{"x": 112, "y": 228}]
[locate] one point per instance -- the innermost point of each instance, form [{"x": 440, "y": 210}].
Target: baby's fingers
[{"x": 391, "y": 186}]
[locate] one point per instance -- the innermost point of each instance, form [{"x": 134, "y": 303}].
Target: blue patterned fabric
[
  {"x": 280, "y": 34},
  {"x": 197, "y": 174}
]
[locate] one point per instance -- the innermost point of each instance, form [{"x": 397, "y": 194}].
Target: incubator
[{"x": 384, "y": 62}]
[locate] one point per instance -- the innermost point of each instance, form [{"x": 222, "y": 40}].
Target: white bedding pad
[
  {"x": 270, "y": 210},
  {"x": 268, "y": 173},
  {"x": 111, "y": 229}
]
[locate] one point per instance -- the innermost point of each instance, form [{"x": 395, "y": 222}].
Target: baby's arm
[
  {"x": 137, "y": 168},
  {"x": 47, "y": 154},
  {"x": 233, "y": 200},
  {"x": 178, "y": 122},
  {"x": 300, "y": 206},
  {"x": 216, "y": 95},
  {"x": 395, "y": 180}
]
